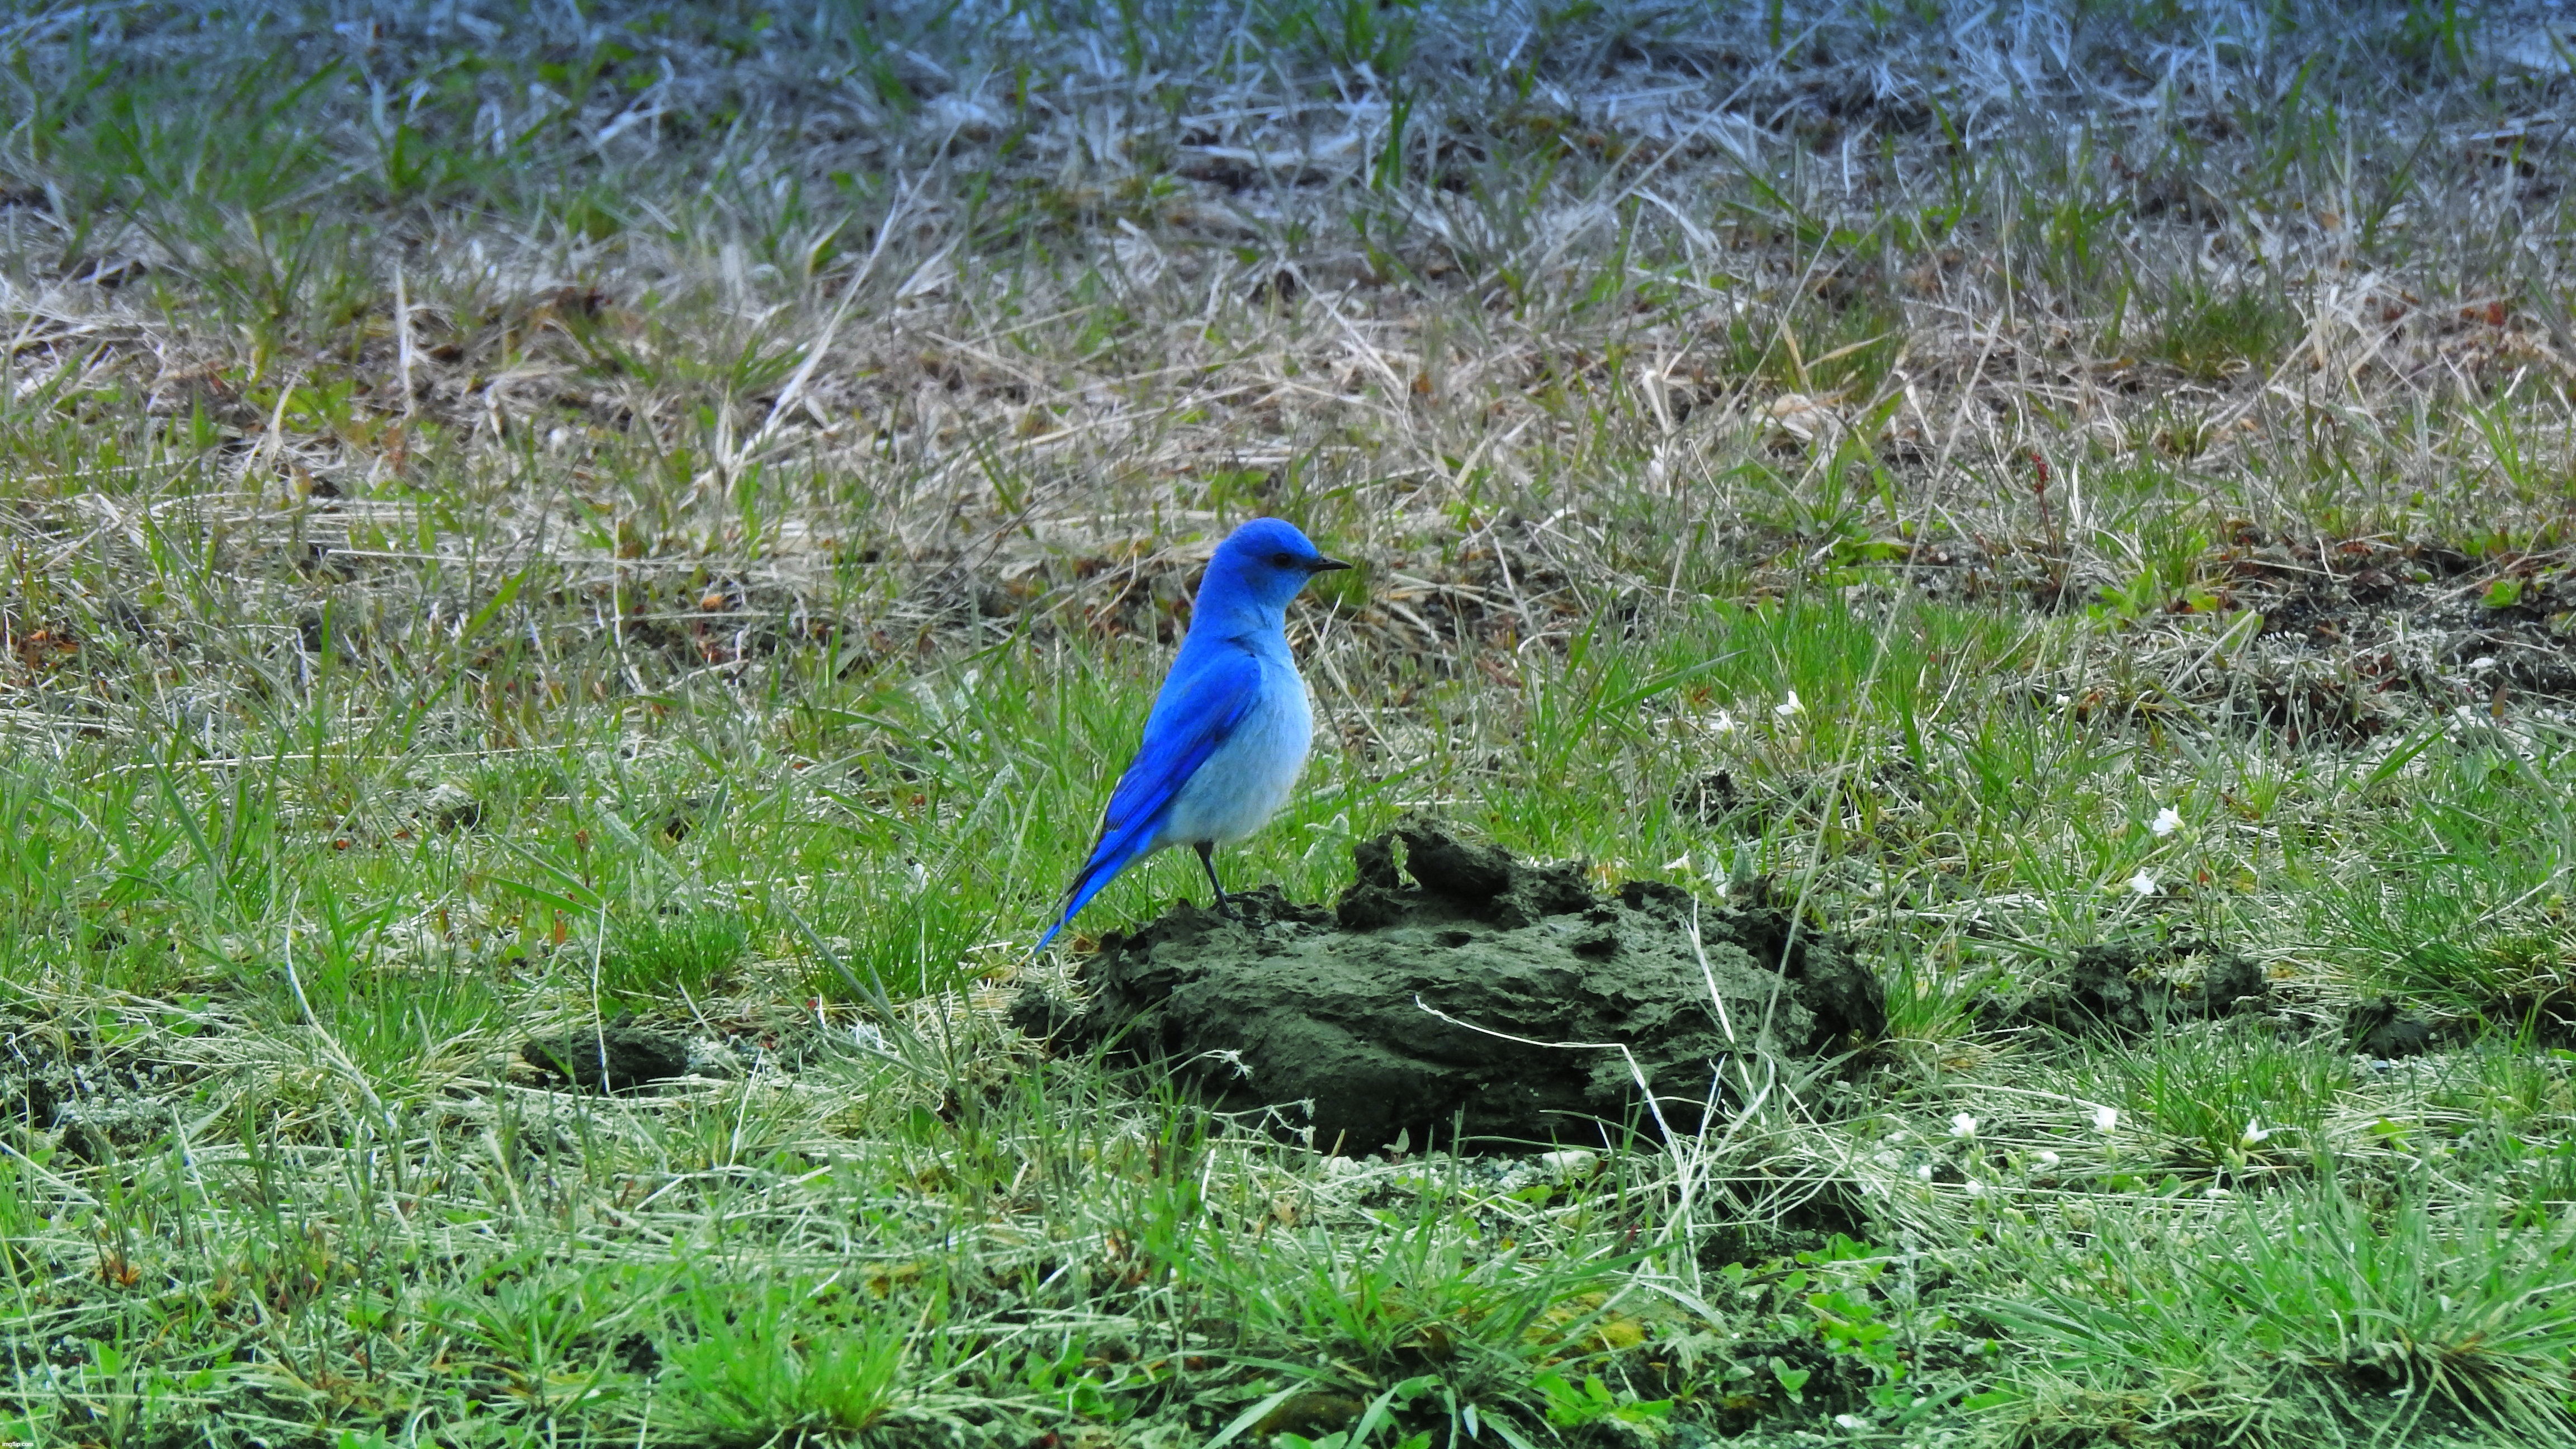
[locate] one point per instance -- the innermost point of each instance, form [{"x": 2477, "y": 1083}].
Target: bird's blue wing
[
  {"x": 1201, "y": 706},
  {"x": 1199, "y": 709}
]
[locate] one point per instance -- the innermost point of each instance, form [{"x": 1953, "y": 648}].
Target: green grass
[
  {"x": 2225, "y": 1104},
  {"x": 682, "y": 953},
  {"x": 2207, "y": 334},
  {"x": 2262, "y": 1323},
  {"x": 550, "y": 516}
]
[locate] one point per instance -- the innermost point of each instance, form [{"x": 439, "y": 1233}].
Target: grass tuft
[
  {"x": 682, "y": 952},
  {"x": 2397, "y": 1321}
]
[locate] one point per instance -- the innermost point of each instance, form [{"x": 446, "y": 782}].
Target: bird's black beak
[{"x": 1322, "y": 565}]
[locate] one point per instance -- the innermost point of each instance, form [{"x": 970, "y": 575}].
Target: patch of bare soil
[{"x": 2129, "y": 990}]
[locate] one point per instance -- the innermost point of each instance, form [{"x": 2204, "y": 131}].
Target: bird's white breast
[{"x": 1248, "y": 778}]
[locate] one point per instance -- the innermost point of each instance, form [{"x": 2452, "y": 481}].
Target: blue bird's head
[{"x": 1265, "y": 563}]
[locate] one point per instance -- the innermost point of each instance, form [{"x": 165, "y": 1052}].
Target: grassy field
[{"x": 522, "y": 518}]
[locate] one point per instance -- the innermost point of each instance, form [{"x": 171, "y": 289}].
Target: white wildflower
[
  {"x": 1724, "y": 723},
  {"x": 2047, "y": 1159},
  {"x": 2106, "y": 1119},
  {"x": 1789, "y": 708},
  {"x": 2167, "y": 821},
  {"x": 1924, "y": 1172},
  {"x": 2255, "y": 1132},
  {"x": 1963, "y": 1125},
  {"x": 2143, "y": 883}
]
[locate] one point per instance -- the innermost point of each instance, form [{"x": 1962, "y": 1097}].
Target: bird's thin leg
[{"x": 1207, "y": 861}]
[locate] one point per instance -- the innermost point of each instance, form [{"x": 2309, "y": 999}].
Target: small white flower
[
  {"x": 1724, "y": 723},
  {"x": 1924, "y": 1172},
  {"x": 2482, "y": 663},
  {"x": 2255, "y": 1132},
  {"x": 2167, "y": 821},
  {"x": 1789, "y": 708},
  {"x": 2106, "y": 1119},
  {"x": 1680, "y": 862},
  {"x": 2143, "y": 883},
  {"x": 1974, "y": 1187},
  {"x": 2064, "y": 699},
  {"x": 2047, "y": 1159},
  {"x": 1963, "y": 1125},
  {"x": 1853, "y": 1422},
  {"x": 2216, "y": 1194}
]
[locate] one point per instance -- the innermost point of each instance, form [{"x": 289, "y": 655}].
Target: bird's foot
[{"x": 1207, "y": 862}]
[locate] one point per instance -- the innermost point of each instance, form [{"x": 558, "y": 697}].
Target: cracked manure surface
[{"x": 1465, "y": 992}]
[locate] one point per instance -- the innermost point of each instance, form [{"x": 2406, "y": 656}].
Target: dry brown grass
[{"x": 1628, "y": 300}]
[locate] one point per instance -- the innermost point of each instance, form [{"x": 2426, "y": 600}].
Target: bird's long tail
[{"x": 1105, "y": 864}]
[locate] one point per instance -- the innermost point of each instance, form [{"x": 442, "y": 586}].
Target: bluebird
[{"x": 1229, "y": 731}]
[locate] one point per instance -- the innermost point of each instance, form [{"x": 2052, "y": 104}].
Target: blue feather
[
  {"x": 1195, "y": 714},
  {"x": 1229, "y": 731}
]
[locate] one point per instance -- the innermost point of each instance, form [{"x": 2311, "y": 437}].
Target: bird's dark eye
[{"x": 1283, "y": 560}]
